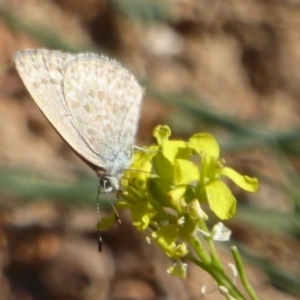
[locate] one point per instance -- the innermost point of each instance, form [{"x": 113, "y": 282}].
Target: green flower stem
[
  {"x": 219, "y": 276},
  {"x": 200, "y": 251},
  {"x": 202, "y": 266},
  {"x": 241, "y": 270},
  {"x": 210, "y": 242}
]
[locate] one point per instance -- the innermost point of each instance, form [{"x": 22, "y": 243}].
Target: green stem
[
  {"x": 207, "y": 264},
  {"x": 210, "y": 242},
  {"x": 200, "y": 250},
  {"x": 241, "y": 270}
]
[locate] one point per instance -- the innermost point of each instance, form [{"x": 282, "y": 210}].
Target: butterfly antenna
[
  {"x": 98, "y": 223},
  {"x": 98, "y": 214},
  {"x": 113, "y": 207}
]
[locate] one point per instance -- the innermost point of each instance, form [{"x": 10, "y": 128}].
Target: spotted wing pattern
[{"x": 93, "y": 102}]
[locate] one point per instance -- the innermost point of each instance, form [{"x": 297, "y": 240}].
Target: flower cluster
[{"x": 168, "y": 184}]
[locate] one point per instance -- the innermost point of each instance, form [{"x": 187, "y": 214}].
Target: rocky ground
[{"x": 227, "y": 67}]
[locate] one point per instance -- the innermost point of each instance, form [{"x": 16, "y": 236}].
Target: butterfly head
[{"x": 108, "y": 183}]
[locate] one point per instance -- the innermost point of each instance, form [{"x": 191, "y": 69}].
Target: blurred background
[{"x": 226, "y": 67}]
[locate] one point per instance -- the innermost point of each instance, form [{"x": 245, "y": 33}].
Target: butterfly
[{"x": 93, "y": 103}]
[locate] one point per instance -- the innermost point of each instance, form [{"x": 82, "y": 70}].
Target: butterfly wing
[
  {"x": 110, "y": 98},
  {"x": 42, "y": 73}
]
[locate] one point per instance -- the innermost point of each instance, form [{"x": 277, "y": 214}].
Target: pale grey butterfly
[{"x": 93, "y": 102}]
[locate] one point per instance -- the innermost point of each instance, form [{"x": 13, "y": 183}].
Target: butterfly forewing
[
  {"x": 93, "y": 102},
  {"x": 42, "y": 73}
]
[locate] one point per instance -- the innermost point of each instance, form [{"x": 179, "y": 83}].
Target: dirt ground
[{"x": 227, "y": 67}]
